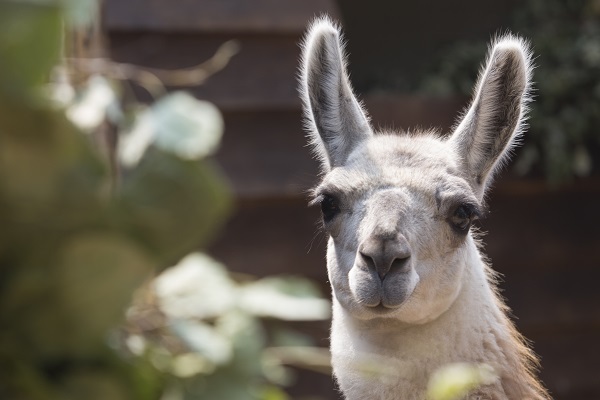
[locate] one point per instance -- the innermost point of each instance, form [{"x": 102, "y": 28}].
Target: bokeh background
[{"x": 413, "y": 64}]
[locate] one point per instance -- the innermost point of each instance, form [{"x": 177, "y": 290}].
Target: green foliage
[
  {"x": 76, "y": 244},
  {"x": 28, "y": 28},
  {"x": 564, "y": 135},
  {"x": 194, "y": 324},
  {"x": 172, "y": 205},
  {"x": 456, "y": 381}
]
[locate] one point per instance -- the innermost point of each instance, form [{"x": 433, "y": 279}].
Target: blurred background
[{"x": 414, "y": 65}]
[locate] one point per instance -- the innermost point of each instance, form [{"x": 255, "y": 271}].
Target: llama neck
[{"x": 474, "y": 329}]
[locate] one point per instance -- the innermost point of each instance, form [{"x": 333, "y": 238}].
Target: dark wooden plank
[
  {"x": 264, "y": 154},
  {"x": 402, "y": 112},
  {"x": 556, "y": 300},
  {"x": 277, "y": 236},
  {"x": 570, "y": 363},
  {"x": 545, "y": 243},
  {"x": 262, "y": 75},
  {"x": 214, "y": 16}
]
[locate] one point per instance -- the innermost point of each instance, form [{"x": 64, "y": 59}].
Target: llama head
[{"x": 398, "y": 208}]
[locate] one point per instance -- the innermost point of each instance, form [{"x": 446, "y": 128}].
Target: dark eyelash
[
  {"x": 475, "y": 209},
  {"x": 316, "y": 199}
]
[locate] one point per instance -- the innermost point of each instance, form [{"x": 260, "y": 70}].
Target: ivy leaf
[
  {"x": 187, "y": 127},
  {"x": 273, "y": 393},
  {"x": 197, "y": 287},
  {"x": 30, "y": 39},
  {"x": 204, "y": 340},
  {"x": 80, "y": 13},
  {"x": 97, "y": 101},
  {"x": 284, "y": 298},
  {"x": 164, "y": 199},
  {"x": 45, "y": 163},
  {"x": 190, "y": 364},
  {"x": 90, "y": 267},
  {"x": 179, "y": 124},
  {"x": 455, "y": 381}
]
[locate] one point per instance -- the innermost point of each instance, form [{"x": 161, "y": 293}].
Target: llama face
[
  {"x": 398, "y": 207},
  {"x": 398, "y": 213}
]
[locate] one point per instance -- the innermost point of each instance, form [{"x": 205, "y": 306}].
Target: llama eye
[
  {"x": 463, "y": 216},
  {"x": 329, "y": 207}
]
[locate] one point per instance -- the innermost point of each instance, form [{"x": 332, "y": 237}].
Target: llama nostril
[
  {"x": 397, "y": 265},
  {"x": 400, "y": 264},
  {"x": 368, "y": 260}
]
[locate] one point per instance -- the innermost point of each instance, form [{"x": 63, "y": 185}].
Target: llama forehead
[
  {"x": 389, "y": 152},
  {"x": 420, "y": 164}
]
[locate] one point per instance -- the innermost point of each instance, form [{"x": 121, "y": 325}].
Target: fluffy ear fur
[
  {"x": 496, "y": 117},
  {"x": 335, "y": 119}
]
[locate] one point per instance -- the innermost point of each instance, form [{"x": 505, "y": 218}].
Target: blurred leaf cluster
[
  {"x": 79, "y": 238},
  {"x": 219, "y": 349},
  {"x": 564, "y": 136}
]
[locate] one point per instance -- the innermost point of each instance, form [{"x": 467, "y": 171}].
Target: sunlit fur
[
  {"x": 440, "y": 305},
  {"x": 323, "y": 78},
  {"x": 496, "y": 90}
]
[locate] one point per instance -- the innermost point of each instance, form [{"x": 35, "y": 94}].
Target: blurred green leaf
[
  {"x": 50, "y": 179},
  {"x": 174, "y": 205},
  {"x": 94, "y": 104},
  {"x": 197, "y": 287},
  {"x": 178, "y": 123},
  {"x": 245, "y": 368},
  {"x": 30, "y": 43},
  {"x": 455, "y": 381},
  {"x": 135, "y": 142},
  {"x": 273, "y": 393},
  {"x": 204, "y": 340},
  {"x": 284, "y": 298},
  {"x": 80, "y": 12},
  {"x": 186, "y": 126},
  {"x": 92, "y": 266},
  {"x": 189, "y": 364},
  {"x": 93, "y": 385},
  {"x": 289, "y": 338}
]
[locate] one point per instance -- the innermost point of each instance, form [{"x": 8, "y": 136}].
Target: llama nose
[{"x": 385, "y": 254}]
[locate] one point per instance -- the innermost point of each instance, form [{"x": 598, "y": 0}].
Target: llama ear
[
  {"x": 335, "y": 120},
  {"x": 496, "y": 117}
]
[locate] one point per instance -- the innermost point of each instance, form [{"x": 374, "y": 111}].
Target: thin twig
[
  {"x": 155, "y": 80},
  {"x": 315, "y": 359}
]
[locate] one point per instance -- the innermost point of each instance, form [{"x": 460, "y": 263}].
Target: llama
[{"x": 411, "y": 289}]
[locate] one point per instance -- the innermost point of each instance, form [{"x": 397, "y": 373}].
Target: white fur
[
  {"x": 333, "y": 83},
  {"x": 485, "y": 102},
  {"x": 411, "y": 291}
]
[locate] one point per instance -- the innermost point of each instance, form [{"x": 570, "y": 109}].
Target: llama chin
[{"x": 411, "y": 291}]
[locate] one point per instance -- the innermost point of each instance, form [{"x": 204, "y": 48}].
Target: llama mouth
[{"x": 382, "y": 309}]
